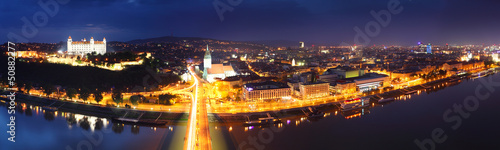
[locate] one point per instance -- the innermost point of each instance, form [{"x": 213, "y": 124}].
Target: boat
[
  {"x": 130, "y": 120},
  {"x": 315, "y": 113},
  {"x": 383, "y": 100},
  {"x": 249, "y": 122},
  {"x": 262, "y": 121},
  {"x": 355, "y": 103},
  {"x": 425, "y": 86},
  {"x": 411, "y": 92}
]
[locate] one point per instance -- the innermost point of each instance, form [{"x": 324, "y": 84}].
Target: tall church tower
[
  {"x": 207, "y": 60},
  {"x": 207, "y": 63}
]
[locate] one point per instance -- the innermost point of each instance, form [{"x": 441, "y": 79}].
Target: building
[
  {"x": 452, "y": 66},
  {"x": 211, "y": 72},
  {"x": 429, "y": 49},
  {"x": 372, "y": 82},
  {"x": 267, "y": 90},
  {"x": 86, "y": 47},
  {"x": 313, "y": 90},
  {"x": 345, "y": 72},
  {"x": 495, "y": 57},
  {"x": 344, "y": 87},
  {"x": 404, "y": 74}
]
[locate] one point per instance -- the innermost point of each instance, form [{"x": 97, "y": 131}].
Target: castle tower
[
  {"x": 92, "y": 47},
  {"x": 69, "y": 50},
  {"x": 104, "y": 49}
]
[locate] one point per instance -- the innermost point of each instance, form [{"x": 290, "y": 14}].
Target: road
[{"x": 197, "y": 133}]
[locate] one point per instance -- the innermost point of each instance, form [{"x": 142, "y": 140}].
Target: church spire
[
  {"x": 207, "y": 52},
  {"x": 207, "y": 60}
]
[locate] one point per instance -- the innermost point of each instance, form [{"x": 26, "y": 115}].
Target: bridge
[{"x": 197, "y": 133}]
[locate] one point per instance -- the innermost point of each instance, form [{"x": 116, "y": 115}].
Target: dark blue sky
[{"x": 325, "y": 21}]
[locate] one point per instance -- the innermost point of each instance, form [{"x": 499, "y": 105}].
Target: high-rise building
[
  {"x": 266, "y": 90},
  {"x": 429, "y": 49},
  {"x": 301, "y": 45},
  {"x": 495, "y": 57},
  {"x": 86, "y": 47}
]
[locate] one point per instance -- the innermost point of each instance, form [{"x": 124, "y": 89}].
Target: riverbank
[
  {"x": 428, "y": 87},
  {"x": 171, "y": 117},
  {"x": 100, "y": 111}
]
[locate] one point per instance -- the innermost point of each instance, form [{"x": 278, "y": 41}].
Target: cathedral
[
  {"x": 213, "y": 71},
  {"x": 86, "y": 47}
]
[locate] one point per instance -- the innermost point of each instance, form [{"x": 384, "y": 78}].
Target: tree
[
  {"x": 165, "y": 98},
  {"x": 98, "y": 96},
  {"x": 28, "y": 87},
  {"x": 48, "y": 89},
  {"x": 488, "y": 63},
  {"x": 117, "y": 97},
  {"x": 443, "y": 72},
  {"x": 134, "y": 99},
  {"x": 71, "y": 92},
  {"x": 84, "y": 94}
]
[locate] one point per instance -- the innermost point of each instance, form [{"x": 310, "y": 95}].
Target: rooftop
[{"x": 265, "y": 85}]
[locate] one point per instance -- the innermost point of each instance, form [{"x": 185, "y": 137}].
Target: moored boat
[
  {"x": 383, "y": 100},
  {"x": 262, "y": 121},
  {"x": 355, "y": 103}
]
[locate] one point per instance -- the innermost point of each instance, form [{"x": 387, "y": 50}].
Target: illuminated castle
[{"x": 85, "y": 47}]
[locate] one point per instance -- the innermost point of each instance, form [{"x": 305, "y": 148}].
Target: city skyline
[
  {"x": 240, "y": 74},
  {"x": 328, "y": 22}
]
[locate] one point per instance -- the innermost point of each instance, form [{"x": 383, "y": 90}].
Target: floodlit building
[
  {"x": 345, "y": 72},
  {"x": 452, "y": 65},
  {"x": 86, "y": 47},
  {"x": 312, "y": 90},
  {"x": 495, "y": 57},
  {"x": 344, "y": 87},
  {"x": 372, "y": 82},
  {"x": 266, "y": 91}
]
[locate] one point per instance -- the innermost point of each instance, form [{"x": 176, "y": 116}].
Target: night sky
[{"x": 323, "y": 21}]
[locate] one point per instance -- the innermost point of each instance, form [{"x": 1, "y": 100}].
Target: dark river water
[{"x": 427, "y": 117}]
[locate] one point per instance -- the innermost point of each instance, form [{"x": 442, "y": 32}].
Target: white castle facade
[{"x": 85, "y": 47}]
